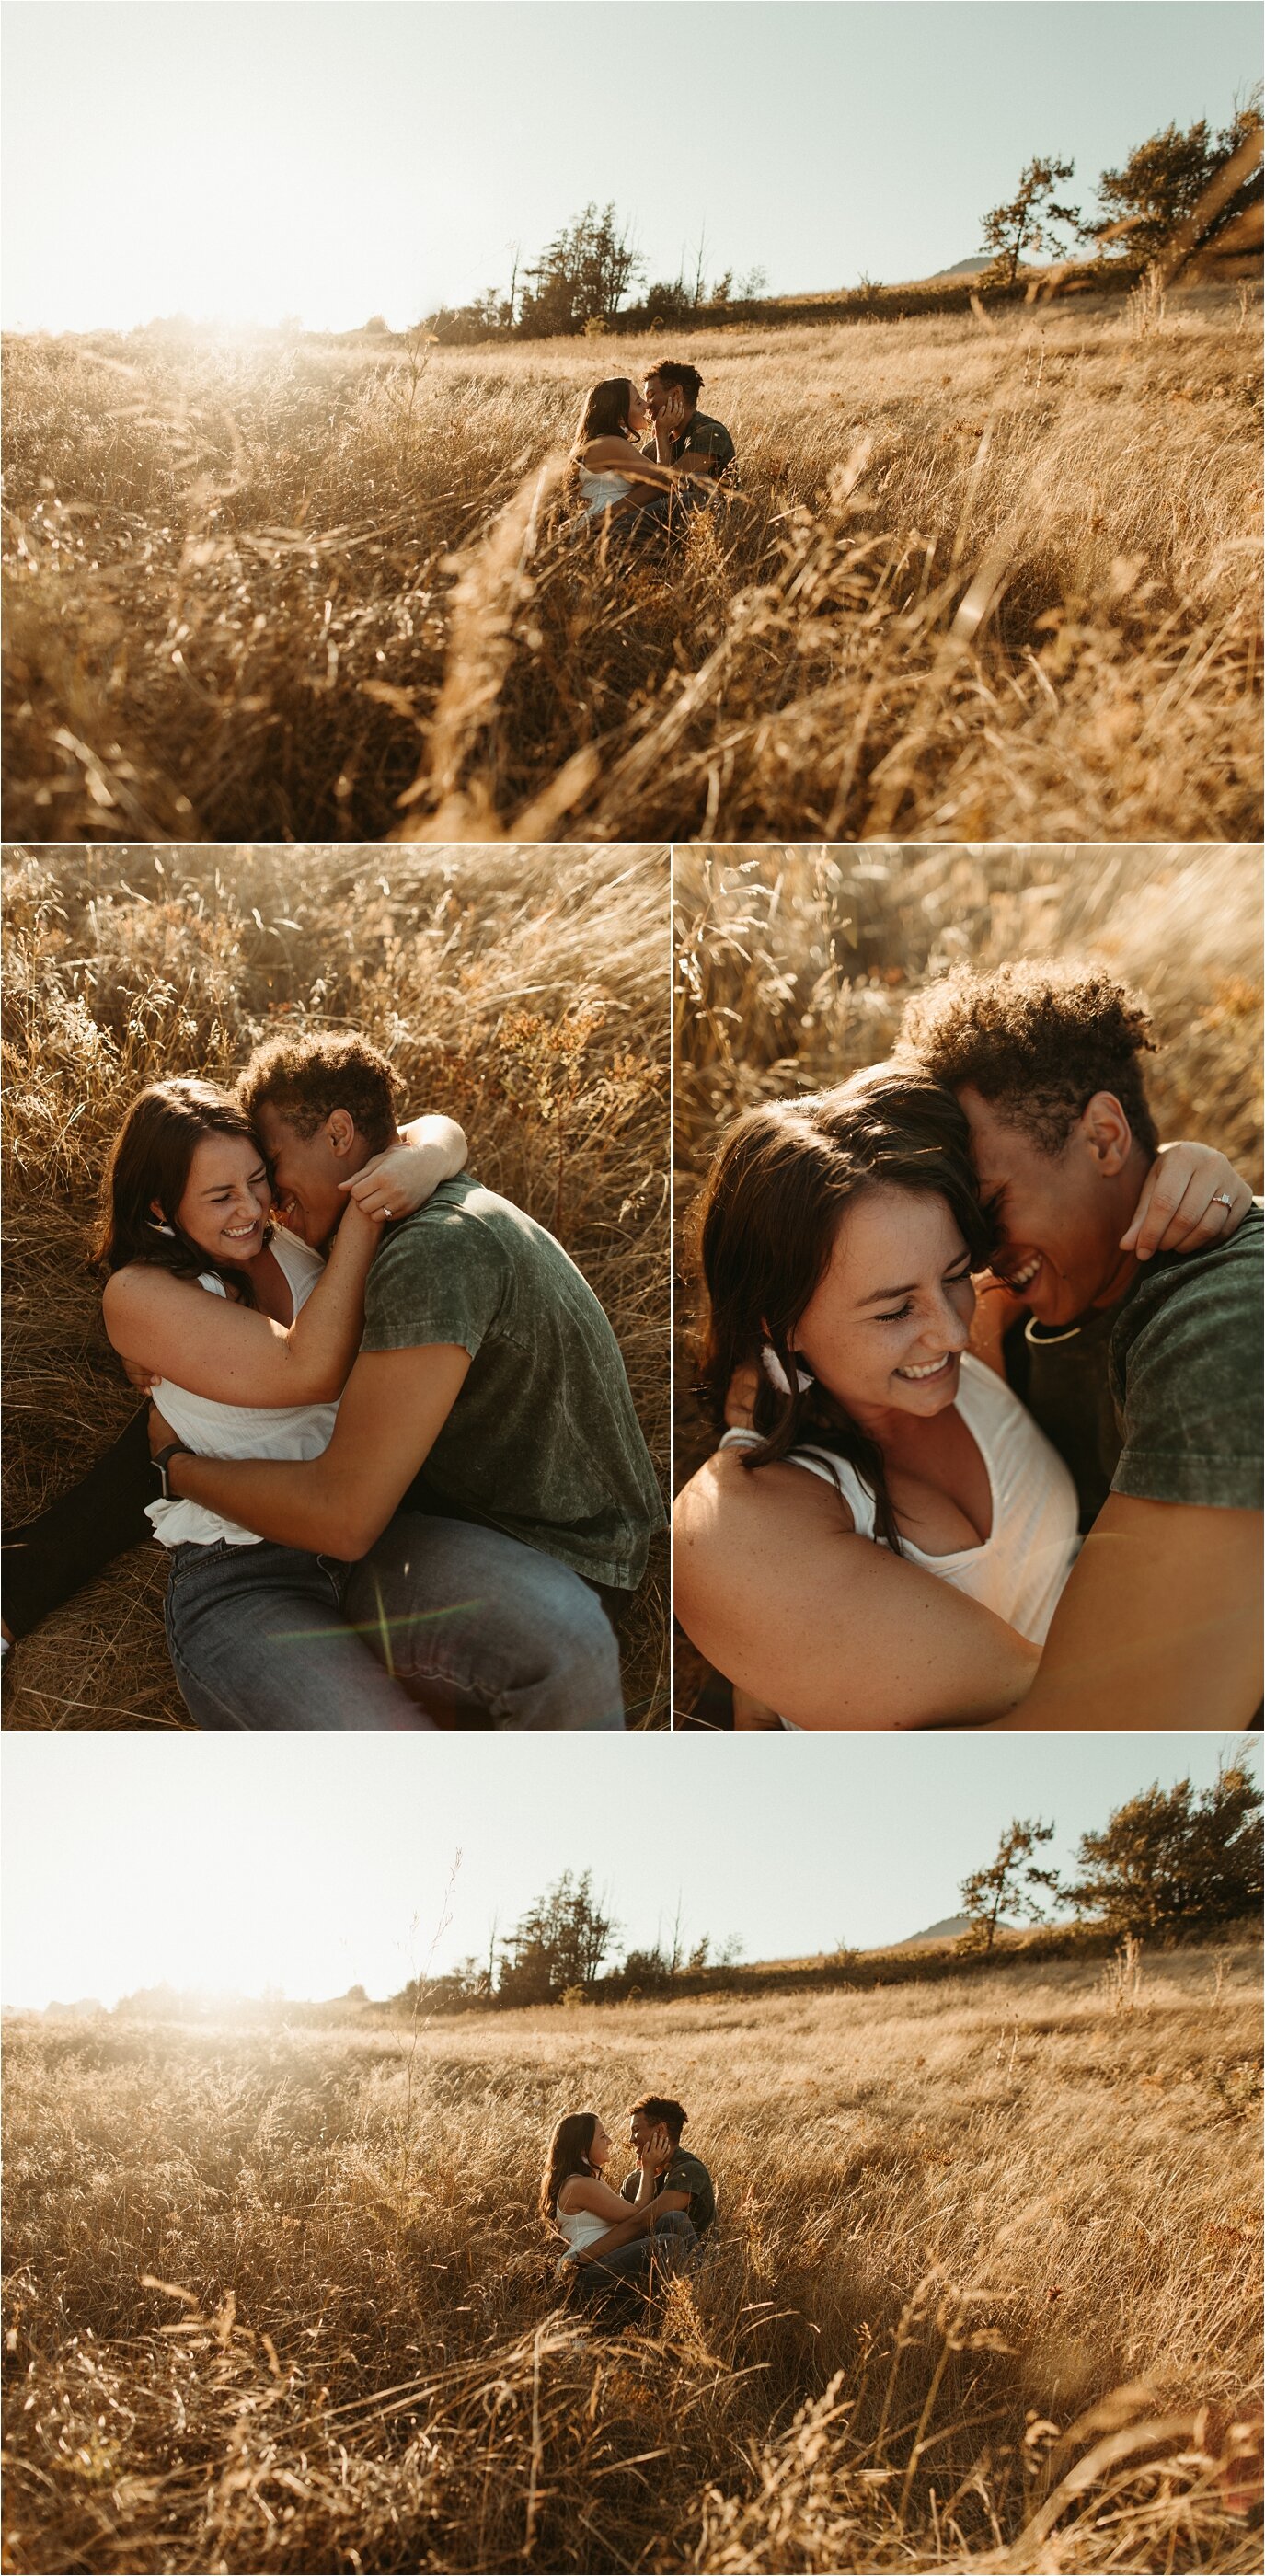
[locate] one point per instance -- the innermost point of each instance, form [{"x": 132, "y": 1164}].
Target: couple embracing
[
  {"x": 391, "y": 1451},
  {"x": 652, "y": 2226},
  {"x": 646, "y": 459},
  {"x": 986, "y": 1364}
]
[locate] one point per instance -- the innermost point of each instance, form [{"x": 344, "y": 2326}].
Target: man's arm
[
  {"x": 1159, "y": 1624},
  {"x": 395, "y": 1406}
]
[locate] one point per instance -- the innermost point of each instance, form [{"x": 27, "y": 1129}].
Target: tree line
[
  {"x": 585, "y": 279},
  {"x": 1168, "y": 1863},
  {"x": 1193, "y": 180}
]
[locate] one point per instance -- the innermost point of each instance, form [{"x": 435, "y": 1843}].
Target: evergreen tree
[
  {"x": 1009, "y": 1884},
  {"x": 1016, "y": 231}
]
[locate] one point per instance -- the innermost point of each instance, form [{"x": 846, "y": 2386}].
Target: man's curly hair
[
  {"x": 305, "y": 1078},
  {"x": 1037, "y": 1041}
]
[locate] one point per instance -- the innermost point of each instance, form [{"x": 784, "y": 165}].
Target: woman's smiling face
[
  {"x": 600, "y": 2151},
  {"x": 638, "y": 412},
  {"x": 227, "y": 1199},
  {"x": 886, "y": 1325}
]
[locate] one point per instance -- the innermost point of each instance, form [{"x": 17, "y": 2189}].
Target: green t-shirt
[
  {"x": 702, "y": 436},
  {"x": 1160, "y": 1396},
  {"x": 543, "y": 1441},
  {"x": 685, "y": 2173}
]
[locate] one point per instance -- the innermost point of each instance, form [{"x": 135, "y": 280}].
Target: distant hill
[
  {"x": 947, "y": 1930},
  {"x": 967, "y": 267}
]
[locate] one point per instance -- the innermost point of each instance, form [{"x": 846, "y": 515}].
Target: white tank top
[
  {"x": 580, "y": 2227},
  {"x": 600, "y": 491},
  {"x": 1019, "y": 1570},
  {"x": 240, "y": 1430}
]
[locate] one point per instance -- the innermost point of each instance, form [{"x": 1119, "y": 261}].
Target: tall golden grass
[
  {"x": 987, "y": 577},
  {"x": 793, "y": 968},
  {"x": 522, "y": 991},
  {"x": 982, "y": 2297}
]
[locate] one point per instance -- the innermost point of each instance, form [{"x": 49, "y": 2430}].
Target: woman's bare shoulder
[
  {"x": 611, "y": 451},
  {"x": 140, "y": 1286},
  {"x": 725, "y": 1491}
]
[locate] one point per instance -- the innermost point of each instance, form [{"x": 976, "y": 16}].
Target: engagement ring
[{"x": 1222, "y": 1198}]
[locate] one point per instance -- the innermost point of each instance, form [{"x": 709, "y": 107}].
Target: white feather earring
[{"x": 777, "y": 1376}]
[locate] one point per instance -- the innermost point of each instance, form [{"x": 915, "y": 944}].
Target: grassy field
[
  {"x": 986, "y": 578},
  {"x": 982, "y": 2297},
  {"x": 525, "y": 992},
  {"x": 794, "y": 968}
]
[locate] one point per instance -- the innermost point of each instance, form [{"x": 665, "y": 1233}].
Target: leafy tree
[
  {"x": 581, "y": 276},
  {"x": 1015, "y": 231},
  {"x": 1009, "y": 1883},
  {"x": 1174, "y": 1860},
  {"x": 560, "y": 1943},
  {"x": 1164, "y": 181}
]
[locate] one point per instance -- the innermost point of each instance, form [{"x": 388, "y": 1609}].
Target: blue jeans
[
  {"x": 442, "y": 1621},
  {"x": 671, "y": 2243}
]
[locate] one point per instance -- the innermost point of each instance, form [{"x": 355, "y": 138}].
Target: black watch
[{"x": 174, "y": 1449}]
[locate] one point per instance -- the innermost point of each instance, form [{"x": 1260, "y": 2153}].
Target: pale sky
[
  {"x": 316, "y": 1863},
  {"x": 330, "y": 159}
]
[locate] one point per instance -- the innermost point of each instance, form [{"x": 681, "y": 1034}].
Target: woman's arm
[
  {"x": 615, "y": 456},
  {"x": 235, "y": 1354},
  {"x": 585, "y": 2191},
  {"x": 825, "y": 1627}
]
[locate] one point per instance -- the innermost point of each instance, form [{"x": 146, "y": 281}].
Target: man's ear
[
  {"x": 1107, "y": 1132},
  {"x": 340, "y": 1130}
]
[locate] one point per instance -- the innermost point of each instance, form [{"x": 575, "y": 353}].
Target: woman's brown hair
[
  {"x": 568, "y": 2154},
  {"x": 771, "y": 1208},
  {"x": 605, "y": 414},
  {"x": 149, "y": 1163}
]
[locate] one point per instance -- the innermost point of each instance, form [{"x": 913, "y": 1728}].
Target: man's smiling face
[
  {"x": 306, "y": 1172},
  {"x": 1058, "y": 1215}
]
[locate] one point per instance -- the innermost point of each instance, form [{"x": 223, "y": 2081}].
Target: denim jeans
[
  {"x": 442, "y": 1622},
  {"x": 672, "y": 2242}
]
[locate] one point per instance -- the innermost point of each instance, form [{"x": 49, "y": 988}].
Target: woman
[
  {"x": 618, "y": 484},
  {"x": 583, "y": 2209},
  {"x": 838, "y": 1238},
  {"x": 245, "y": 1337}
]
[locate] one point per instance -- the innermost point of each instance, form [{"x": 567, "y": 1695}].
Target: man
[
  {"x": 681, "y": 430},
  {"x": 487, "y": 1486},
  {"x": 1145, "y": 1375},
  {"x": 671, "y": 2194}
]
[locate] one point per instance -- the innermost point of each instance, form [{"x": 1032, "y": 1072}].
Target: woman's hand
[
  {"x": 1183, "y": 1203},
  {"x": 399, "y": 1181}
]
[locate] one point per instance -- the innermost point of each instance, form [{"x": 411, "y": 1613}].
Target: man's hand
[
  {"x": 141, "y": 1378},
  {"x": 1183, "y": 1206}
]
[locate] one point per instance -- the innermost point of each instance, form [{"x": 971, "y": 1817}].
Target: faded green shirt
[
  {"x": 543, "y": 1441},
  {"x": 685, "y": 2173},
  {"x": 1160, "y": 1396}
]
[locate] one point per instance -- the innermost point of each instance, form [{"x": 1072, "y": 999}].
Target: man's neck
[{"x": 1122, "y": 1267}]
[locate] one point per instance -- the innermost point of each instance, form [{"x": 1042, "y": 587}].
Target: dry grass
[
  {"x": 525, "y": 992},
  {"x": 988, "y": 578},
  {"x": 794, "y": 968},
  {"x": 983, "y": 2294}
]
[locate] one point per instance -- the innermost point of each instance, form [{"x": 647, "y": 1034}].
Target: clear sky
[
  {"x": 330, "y": 159},
  {"x": 243, "y": 1862}
]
